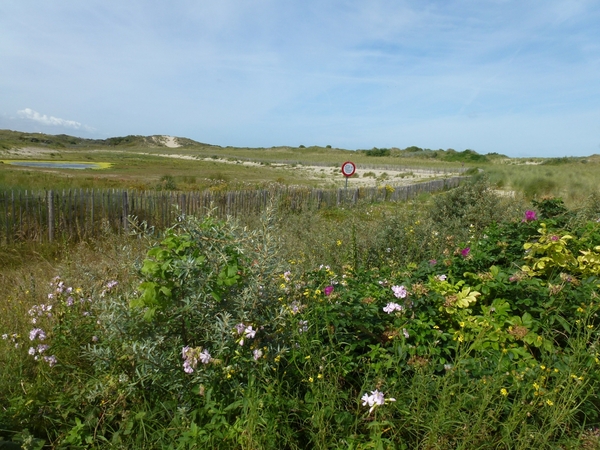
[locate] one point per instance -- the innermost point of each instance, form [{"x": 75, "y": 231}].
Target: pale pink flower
[
  {"x": 399, "y": 291},
  {"x": 391, "y": 307},
  {"x": 375, "y": 399}
]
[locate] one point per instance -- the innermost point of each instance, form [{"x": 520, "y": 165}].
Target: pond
[{"x": 59, "y": 164}]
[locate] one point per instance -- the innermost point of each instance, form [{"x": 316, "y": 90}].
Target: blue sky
[{"x": 519, "y": 77}]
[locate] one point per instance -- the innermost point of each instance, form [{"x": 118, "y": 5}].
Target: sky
[{"x": 517, "y": 77}]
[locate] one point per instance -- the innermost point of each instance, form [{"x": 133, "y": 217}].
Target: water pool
[{"x": 59, "y": 164}]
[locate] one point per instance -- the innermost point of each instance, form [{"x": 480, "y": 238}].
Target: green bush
[{"x": 167, "y": 183}]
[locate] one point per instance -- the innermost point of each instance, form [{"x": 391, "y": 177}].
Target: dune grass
[{"x": 572, "y": 181}]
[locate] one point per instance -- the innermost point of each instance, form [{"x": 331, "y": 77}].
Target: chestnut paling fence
[{"x": 48, "y": 215}]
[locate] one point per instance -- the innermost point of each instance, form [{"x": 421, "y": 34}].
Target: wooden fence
[{"x": 48, "y": 215}]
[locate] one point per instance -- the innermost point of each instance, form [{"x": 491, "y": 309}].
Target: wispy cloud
[{"x": 43, "y": 119}]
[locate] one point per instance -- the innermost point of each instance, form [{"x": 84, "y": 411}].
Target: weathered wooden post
[
  {"x": 5, "y": 196},
  {"x": 92, "y": 213},
  {"x": 125, "y": 212}
]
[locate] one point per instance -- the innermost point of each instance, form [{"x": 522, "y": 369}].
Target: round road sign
[{"x": 348, "y": 169}]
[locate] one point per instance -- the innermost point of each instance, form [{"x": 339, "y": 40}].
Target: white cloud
[{"x": 30, "y": 114}]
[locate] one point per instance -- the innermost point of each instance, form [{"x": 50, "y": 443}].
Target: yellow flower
[
  {"x": 320, "y": 376},
  {"x": 338, "y": 242},
  {"x": 549, "y": 402},
  {"x": 542, "y": 367},
  {"x": 311, "y": 379},
  {"x": 504, "y": 392},
  {"x": 307, "y": 357},
  {"x": 536, "y": 386}
]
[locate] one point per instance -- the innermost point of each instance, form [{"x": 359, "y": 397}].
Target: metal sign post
[{"x": 348, "y": 169}]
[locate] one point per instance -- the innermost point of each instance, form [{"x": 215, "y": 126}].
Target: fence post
[
  {"x": 6, "y": 215},
  {"x": 125, "y": 212},
  {"x": 92, "y": 213},
  {"x": 50, "y": 215}
]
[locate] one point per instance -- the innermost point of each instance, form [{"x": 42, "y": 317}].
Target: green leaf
[
  {"x": 149, "y": 314},
  {"x": 165, "y": 291},
  {"x": 564, "y": 323}
]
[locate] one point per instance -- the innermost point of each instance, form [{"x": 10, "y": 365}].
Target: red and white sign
[{"x": 348, "y": 169}]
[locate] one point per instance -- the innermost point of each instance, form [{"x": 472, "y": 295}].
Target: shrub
[
  {"x": 167, "y": 183},
  {"x": 473, "y": 203},
  {"x": 378, "y": 152}
]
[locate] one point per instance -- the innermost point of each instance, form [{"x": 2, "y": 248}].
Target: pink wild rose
[{"x": 530, "y": 216}]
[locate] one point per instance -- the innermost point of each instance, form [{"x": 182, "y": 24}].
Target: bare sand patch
[{"x": 167, "y": 141}]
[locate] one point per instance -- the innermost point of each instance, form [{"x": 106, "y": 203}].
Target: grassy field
[
  {"x": 466, "y": 319},
  {"x": 148, "y": 163}
]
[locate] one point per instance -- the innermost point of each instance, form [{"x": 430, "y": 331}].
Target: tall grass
[{"x": 572, "y": 181}]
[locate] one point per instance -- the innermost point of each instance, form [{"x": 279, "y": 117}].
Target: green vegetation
[
  {"x": 467, "y": 319},
  {"x": 461, "y": 320},
  {"x": 572, "y": 181},
  {"x": 378, "y": 152},
  {"x": 140, "y": 162},
  {"x": 16, "y": 139}
]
